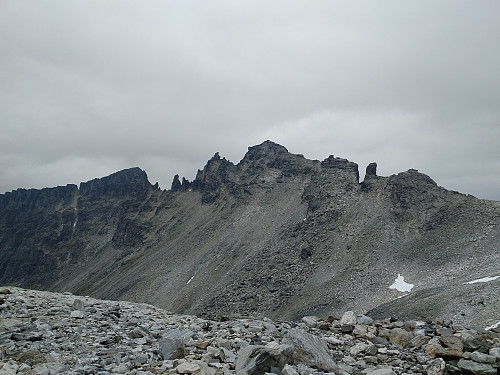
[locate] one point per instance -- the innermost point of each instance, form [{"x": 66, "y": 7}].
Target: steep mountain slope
[{"x": 277, "y": 235}]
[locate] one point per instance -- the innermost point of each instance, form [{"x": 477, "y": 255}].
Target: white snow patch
[
  {"x": 400, "y": 284},
  {"x": 483, "y": 280},
  {"x": 190, "y": 279},
  {"x": 496, "y": 325}
]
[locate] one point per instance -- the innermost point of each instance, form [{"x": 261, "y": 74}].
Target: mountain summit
[{"x": 275, "y": 235}]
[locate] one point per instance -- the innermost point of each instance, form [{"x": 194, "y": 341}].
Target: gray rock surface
[
  {"x": 436, "y": 367},
  {"x": 349, "y": 317},
  {"x": 172, "y": 343},
  {"x": 309, "y": 349},
  {"x": 38, "y": 335},
  {"x": 475, "y": 368}
]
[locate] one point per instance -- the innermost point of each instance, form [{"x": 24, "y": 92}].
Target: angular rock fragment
[
  {"x": 172, "y": 342},
  {"x": 348, "y": 318},
  {"x": 475, "y": 368},
  {"x": 309, "y": 350},
  {"x": 400, "y": 336},
  {"x": 436, "y": 367}
]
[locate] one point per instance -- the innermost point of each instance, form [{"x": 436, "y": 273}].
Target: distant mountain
[{"x": 275, "y": 235}]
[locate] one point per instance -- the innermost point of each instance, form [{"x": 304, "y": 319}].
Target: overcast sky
[{"x": 91, "y": 87}]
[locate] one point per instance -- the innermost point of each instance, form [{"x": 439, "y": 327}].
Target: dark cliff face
[
  {"x": 128, "y": 182},
  {"x": 32, "y": 225},
  {"x": 38, "y": 199},
  {"x": 43, "y": 232},
  {"x": 276, "y": 234}
]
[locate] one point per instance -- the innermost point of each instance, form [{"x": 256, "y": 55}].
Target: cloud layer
[{"x": 92, "y": 87}]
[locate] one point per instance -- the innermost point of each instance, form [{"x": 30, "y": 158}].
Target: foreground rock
[{"x": 52, "y": 333}]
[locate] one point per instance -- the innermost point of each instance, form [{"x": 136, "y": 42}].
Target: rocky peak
[
  {"x": 266, "y": 150},
  {"x": 335, "y": 163},
  {"x": 371, "y": 170},
  {"x": 176, "y": 184},
  {"x": 128, "y": 181},
  {"x": 210, "y": 180},
  {"x": 413, "y": 189},
  {"x": 220, "y": 174},
  {"x": 215, "y": 157}
]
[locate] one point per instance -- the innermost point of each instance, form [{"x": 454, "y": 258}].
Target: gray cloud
[{"x": 92, "y": 87}]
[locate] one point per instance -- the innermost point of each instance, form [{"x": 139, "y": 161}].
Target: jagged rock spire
[{"x": 371, "y": 170}]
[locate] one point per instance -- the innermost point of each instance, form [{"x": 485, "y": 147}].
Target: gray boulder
[
  {"x": 310, "y": 350},
  {"x": 451, "y": 341},
  {"x": 419, "y": 340},
  {"x": 311, "y": 321},
  {"x": 495, "y": 352},
  {"x": 382, "y": 371},
  {"x": 399, "y": 336},
  {"x": 475, "y": 368},
  {"x": 364, "y": 320},
  {"x": 78, "y": 305},
  {"x": 482, "y": 358},
  {"x": 289, "y": 370},
  {"x": 172, "y": 342},
  {"x": 436, "y": 367},
  {"x": 348, "y": 318},
  {"x": 258, "y": 359},
  {"x": 473, "y": 343}
]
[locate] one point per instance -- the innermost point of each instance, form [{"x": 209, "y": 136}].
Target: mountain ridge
[{"x": 275, "y": 234}]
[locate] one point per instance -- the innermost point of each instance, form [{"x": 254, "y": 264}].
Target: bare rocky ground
[{"x": 59, "y": 333}]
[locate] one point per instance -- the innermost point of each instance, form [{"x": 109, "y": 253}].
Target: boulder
[
  {"x": 188, "y": 368},
  {"x": 482, "y": 358},
  {"x": 364, "y": 320},
  {"x": 495, "y": 352},
  {"x": 309, "y": 350},
  {"x": 78, "y": 314},
  {"x": 418, "y": 341},
  {"x": 258, "y": 359},
  {"x": 436, "y": 367},
  {"x": 346, "y": 328},
  {"x": 348, "y": 318},
  {"x": 311, "y": 321},
  {"x": 472, "y": 343},
  {"x": 400, "y": 336},
  {"x": 78, "y": 305},
  {"x": 434, "y": 350},
  {"x": 288, "y": 370},
  {"x": 363, "y": 348},
  {"x": 171, "y": 344},
  {"x": 382, "y": 371},
  {"x": 451, "y": 341},
  {"x": 475, "y": 368}
]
